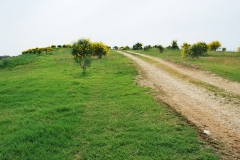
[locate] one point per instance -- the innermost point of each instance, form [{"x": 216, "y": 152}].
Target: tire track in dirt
[
  {"x": 208, "y": 113},
  {"x": 204, "y": 76}
]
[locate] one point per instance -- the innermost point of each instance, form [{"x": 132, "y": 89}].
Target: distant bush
[
  {"x": 174, "y": 45},
  {"x": 198, "y": 49},
  {"x": 238, "y": 49},
  {"x": 100, "y": 49},
  {"x": 125, "y": 48},
  {"x": 137, "y": 46},
  {"x": 146, "y": 48},
  {"x": 2, "y": 57},
  {"x": 115, "y": 47},
  {"x": 53, "y": 46},
  {"x": 59, "y": 46},
  {"x": 185, "y": 49},
  {"x": 5, "y": 62},
  {"x": 214, "y": 45},
  {"x": 224, "y": 49},
  {"x": 159, "y": 47},
  {"x": 38, "y": 50}
]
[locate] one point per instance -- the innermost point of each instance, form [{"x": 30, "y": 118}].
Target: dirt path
[{"x": 197, "y": 104}]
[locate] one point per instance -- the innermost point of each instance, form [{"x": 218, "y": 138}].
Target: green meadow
[
  {"x": 50, "y": 109},
  {"x": 225, "y": 64}
]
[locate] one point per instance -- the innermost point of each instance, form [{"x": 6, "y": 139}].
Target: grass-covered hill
[{"x": 50, "y": 109}]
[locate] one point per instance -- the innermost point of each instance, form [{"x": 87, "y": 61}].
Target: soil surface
[{"x": 210, "y": 102}]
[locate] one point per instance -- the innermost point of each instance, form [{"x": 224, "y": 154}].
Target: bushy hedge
[
  {"x": 159, "y": 47},
  {"x": 67, "y": 46},
  {"x": 138, "y": 46},
  {"x": 100, "y": 49},
  {"x": 115, "y": 47},
  {"x": 38, "y": 50},
  {"x": 53, "y": 46},
  {"x": 214, "y": 45},
  {"x": 194, "y": 50},
  {"x": 125, "y": 48},
  {"x": 146, "y": 48}
]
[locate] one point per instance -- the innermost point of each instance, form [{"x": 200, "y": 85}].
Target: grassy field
[
  {"x": 225, "y": 64},
  {"x": 50, "y": 109}
]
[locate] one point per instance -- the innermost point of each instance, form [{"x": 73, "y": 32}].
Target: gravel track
[{"x": 197, "y": 104}]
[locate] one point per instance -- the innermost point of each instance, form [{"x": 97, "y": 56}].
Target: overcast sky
[{"x": 28, "y": 24}]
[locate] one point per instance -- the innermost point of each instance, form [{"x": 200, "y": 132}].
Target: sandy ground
[{"x": 208, "y": 111}]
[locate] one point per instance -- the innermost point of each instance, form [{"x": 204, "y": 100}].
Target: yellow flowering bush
[
  {"x": 214, "y": 45},
  {"x": 185, "y": 49},
  {"x": 38, "y": 50},
  {"x": 100, "y": 49},
  {"x": 198, "y": 49},
  {"x": 82, "y": 51},
  {"x": 195, "y": 50},
  {"x": 125, "y": 48}
]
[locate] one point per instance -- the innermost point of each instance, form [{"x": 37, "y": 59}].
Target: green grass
[
  {"x": 50, "y": 109},
  {"x": 225, "y": 64}
]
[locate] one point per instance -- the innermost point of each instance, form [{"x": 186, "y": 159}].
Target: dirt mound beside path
[{"x": 199, "y": 105}]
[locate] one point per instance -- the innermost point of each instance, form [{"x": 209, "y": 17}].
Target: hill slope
[{"x": 49, "y": 109}]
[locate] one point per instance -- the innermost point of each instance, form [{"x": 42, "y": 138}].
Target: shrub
[
  {"x": 214, "y": 45},
  {"x": 38, "y": 50},
  {"x": 59, "y": 46},
  {"x": 100, "y": 49},
  {"x": 185, "y": 49},
  {"x": 124, "y": 48},
  {"x": 2, "y": 57},
  {"x": 224, "y": 49},
  {"x": 174, "y": 45},
  {"x": 238, "y": 49},
  {"x": 146, "y": 48},
  {"x": 5, "y": 62},
  {"x": 138, "y": 46},
  {"x": 53, "y": 46},
  {"x": 82, "y": 51},
  {"x": 115, "y": 47},
  {"x": 198, "y": 49},
  {"x": 66, "y": 46},
  {"x": 160, "y": 48}
]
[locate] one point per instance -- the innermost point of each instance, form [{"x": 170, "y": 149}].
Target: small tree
[
  {"x": 100, "y": 49},
  {"x": 138, "y": 46},
  {"x": 224, "y": 49},
  {"x": 82, "y": 51},
  {"x": 174, "y": 45},
  {"x": 214, "y": 45}
]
